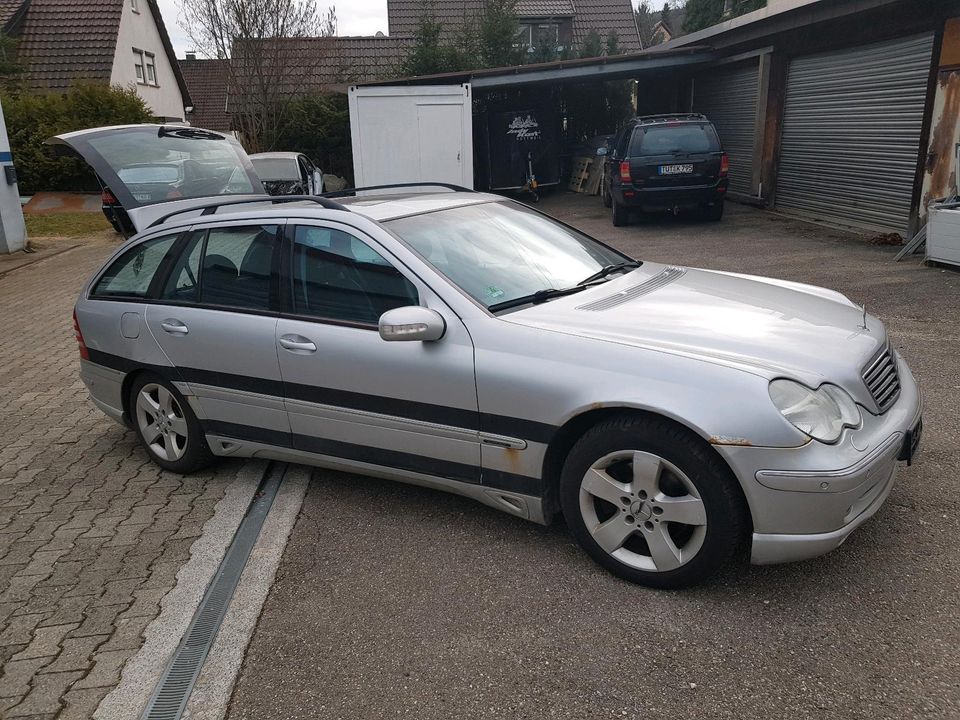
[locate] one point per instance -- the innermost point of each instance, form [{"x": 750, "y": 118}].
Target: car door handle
[
  {"x": 297, "y": 343},
  {"x": 174, "y": 327}
]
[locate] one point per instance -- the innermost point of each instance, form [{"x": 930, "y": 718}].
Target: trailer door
[{"x": 412, "y": 134}]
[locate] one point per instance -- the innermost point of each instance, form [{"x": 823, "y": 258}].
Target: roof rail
[
  {"x": 353, "y": 191},
  {"x": 212, "y": 207},
  {"x": 670, "y": 116}
]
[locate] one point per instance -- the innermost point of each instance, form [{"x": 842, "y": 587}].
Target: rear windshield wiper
[
  {"x": 540, "y": 296},
  {"x": 609, "y": 269}
]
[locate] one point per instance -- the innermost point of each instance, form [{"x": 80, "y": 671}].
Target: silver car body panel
[{"x": 476, "y": 411}]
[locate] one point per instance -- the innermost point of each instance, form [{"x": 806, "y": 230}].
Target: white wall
[{"x": 138, "y": 30}]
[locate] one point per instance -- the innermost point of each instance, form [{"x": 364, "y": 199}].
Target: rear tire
[
  {"x": 714, "y": 212},
  {"x": 168, "y": 429},
  {"x": 651, "y": 503},
  {"x": 605, "y": 194},
  {"x": 621, "y": 215}
]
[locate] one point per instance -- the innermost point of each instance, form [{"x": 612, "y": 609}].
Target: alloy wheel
[
  {"x": 162, "y": 422},
  {"x": 643, "y": 510}
]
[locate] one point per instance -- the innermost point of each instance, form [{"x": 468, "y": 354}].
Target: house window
[
  {"x": 138, "y": 64},
  {"x": 145, "y": 64},
  {"x": 151, "y": 69}
]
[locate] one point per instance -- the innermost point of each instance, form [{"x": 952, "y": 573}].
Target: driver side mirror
[{"x": 412, "y": 322}]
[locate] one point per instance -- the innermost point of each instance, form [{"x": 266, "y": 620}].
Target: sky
[{"x": 355, "y": 17}]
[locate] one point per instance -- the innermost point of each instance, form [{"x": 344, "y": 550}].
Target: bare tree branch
[{"x": 266, "y": 70}]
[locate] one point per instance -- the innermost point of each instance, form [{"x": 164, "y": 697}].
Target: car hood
[{"x": 767, "y": 326}]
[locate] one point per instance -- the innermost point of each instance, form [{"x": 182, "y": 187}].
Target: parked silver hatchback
[{"x": 468, "y": 343}]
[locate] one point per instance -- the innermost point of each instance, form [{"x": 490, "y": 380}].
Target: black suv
[{"x": 665, "y": 162}]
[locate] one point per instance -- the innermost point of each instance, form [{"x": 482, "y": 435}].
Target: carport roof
[{"x": 579, "y": 70}]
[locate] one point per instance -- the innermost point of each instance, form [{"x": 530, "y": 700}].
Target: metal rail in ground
[{"x": 170, "y": 697}]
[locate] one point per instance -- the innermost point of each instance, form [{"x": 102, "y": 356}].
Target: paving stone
[
  {"x": 45, "y": 642},
  {"x": 15, "y": 681},
  {"x": 45, "y": 696},
  {"x": 80, "y": 703},
  {"x": 76, "y": 653},
  {"x": 19, "y": 631}
]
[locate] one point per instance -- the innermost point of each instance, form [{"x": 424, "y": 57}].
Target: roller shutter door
[
  {"x": 851, "y": 133},
  {"x": 729, "y": 99}
]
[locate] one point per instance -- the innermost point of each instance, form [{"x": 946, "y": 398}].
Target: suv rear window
[{"x": 677, "y": 138}]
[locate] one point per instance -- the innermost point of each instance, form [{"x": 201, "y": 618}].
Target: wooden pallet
[{"x": 579, "y": 172}]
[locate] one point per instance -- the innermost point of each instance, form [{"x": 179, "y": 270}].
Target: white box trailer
[{"x": 412, "y": 134}]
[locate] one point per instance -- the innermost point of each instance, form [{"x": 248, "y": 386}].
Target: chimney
[{"x": 192, "y": 55}]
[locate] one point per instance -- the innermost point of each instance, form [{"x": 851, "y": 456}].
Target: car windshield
[
  {"x": 276, "y": 168},
  {"x": 193, "y": 163},
  {"x": 679, "y": 138},
  {"x": 501, "y": 251}
]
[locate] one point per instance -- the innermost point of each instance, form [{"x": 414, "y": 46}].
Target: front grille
[{"x": 881, "y": 379}]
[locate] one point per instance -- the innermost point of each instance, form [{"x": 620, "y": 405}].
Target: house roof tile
[{"x": 207, "y": 82}]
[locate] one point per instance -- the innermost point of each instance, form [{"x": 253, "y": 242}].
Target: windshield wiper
[
  {"x": 609, "y": 269},
  {"x": 540, "y": 296}
]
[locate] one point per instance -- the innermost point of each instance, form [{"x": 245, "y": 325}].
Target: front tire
[
  {"x": 651, "y": 503},
  {"x": 167, "y": 427}
]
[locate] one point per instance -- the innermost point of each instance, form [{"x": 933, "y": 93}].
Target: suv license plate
[{"x": 676, "y": 169}]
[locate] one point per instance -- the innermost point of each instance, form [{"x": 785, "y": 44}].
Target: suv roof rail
[
  {"x": 353, "y": 191},
  {"x": 670, "y": 116},
  {"x": 212, "y": 208}
]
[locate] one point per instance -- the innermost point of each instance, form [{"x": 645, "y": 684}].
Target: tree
[
  {"x": 704, "y": 13},
  {"x": 645, "y": 22},
  {"x": 429, "y": 54},
  {"x": 592, "y": 45},
  {"x": 266, "y": 68},
  {"x": 497, "y": 33},
  {"x": 613, "y": 43}
]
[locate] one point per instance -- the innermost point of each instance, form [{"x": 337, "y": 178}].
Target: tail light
[
  {"x": 724, "y": 165},
  {"x": 107, "y": 197},
  {"x": 84, "y": 353},
  {"x": 625, "y": 171}
]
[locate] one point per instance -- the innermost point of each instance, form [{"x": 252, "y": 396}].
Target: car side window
[
  {"x": 337, "y": 276},
  {"x": 183, "y": 282},
  {"x": 130, "y": 275},
  {"x": 237, "y": 266}
]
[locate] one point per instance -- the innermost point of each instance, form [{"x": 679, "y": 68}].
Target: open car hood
[{"x": 155, "y": 170}]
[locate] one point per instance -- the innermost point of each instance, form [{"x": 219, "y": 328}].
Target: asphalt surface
[{"x": 396, "y": 601}]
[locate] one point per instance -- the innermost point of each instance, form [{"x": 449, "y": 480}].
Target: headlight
[{"x": 822, "y": 413}]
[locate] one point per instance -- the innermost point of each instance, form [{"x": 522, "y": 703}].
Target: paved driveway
[
  {"x": 394, "y": 601},
  {"x": 92, "y": 534}
]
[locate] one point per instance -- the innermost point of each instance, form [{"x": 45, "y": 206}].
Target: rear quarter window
[
  {"x": 130, "y": 275},
  {"x": 669, "y": 139}
]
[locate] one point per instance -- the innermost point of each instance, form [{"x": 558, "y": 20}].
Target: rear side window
[
  {"x": 131, "y": 274},
  {"x": 237, "y": 267},
  {"x": 669, "y": 139}
]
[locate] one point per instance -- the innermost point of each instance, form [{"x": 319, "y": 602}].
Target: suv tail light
[
  {"x": 724, "y": 165},
  {"x": 625, "y": 171},
  {"x": 107, "y": 197},
  {"x": 84, "y": 353}
]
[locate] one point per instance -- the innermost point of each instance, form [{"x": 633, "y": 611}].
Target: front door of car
[
  {"x": 349, "y": 393},
  {"x": 215, "y": 318}
]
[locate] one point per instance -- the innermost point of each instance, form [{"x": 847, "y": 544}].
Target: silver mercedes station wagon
[{"x": 468, "y": 343}]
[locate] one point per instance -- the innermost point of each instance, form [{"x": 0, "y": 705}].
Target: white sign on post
[{"x": 13, "y": 234}]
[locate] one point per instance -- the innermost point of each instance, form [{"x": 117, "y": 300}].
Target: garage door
[
  {"x": 851, "y": 133},
  {"x": 729, "y": 99}
]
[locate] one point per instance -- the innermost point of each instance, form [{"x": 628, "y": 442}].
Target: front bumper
[{"x": 819, "y": 493}]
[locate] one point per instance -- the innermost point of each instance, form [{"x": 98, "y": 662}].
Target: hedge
[{"x": 33, "y": 118}]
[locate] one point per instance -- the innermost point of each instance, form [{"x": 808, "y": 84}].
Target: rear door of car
[
  {"x": 154, "y": 170},
  {"x": 674, "y": 154},
  {"x": 349, "y": 393},
  {"x": 215, "y": 317}
]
